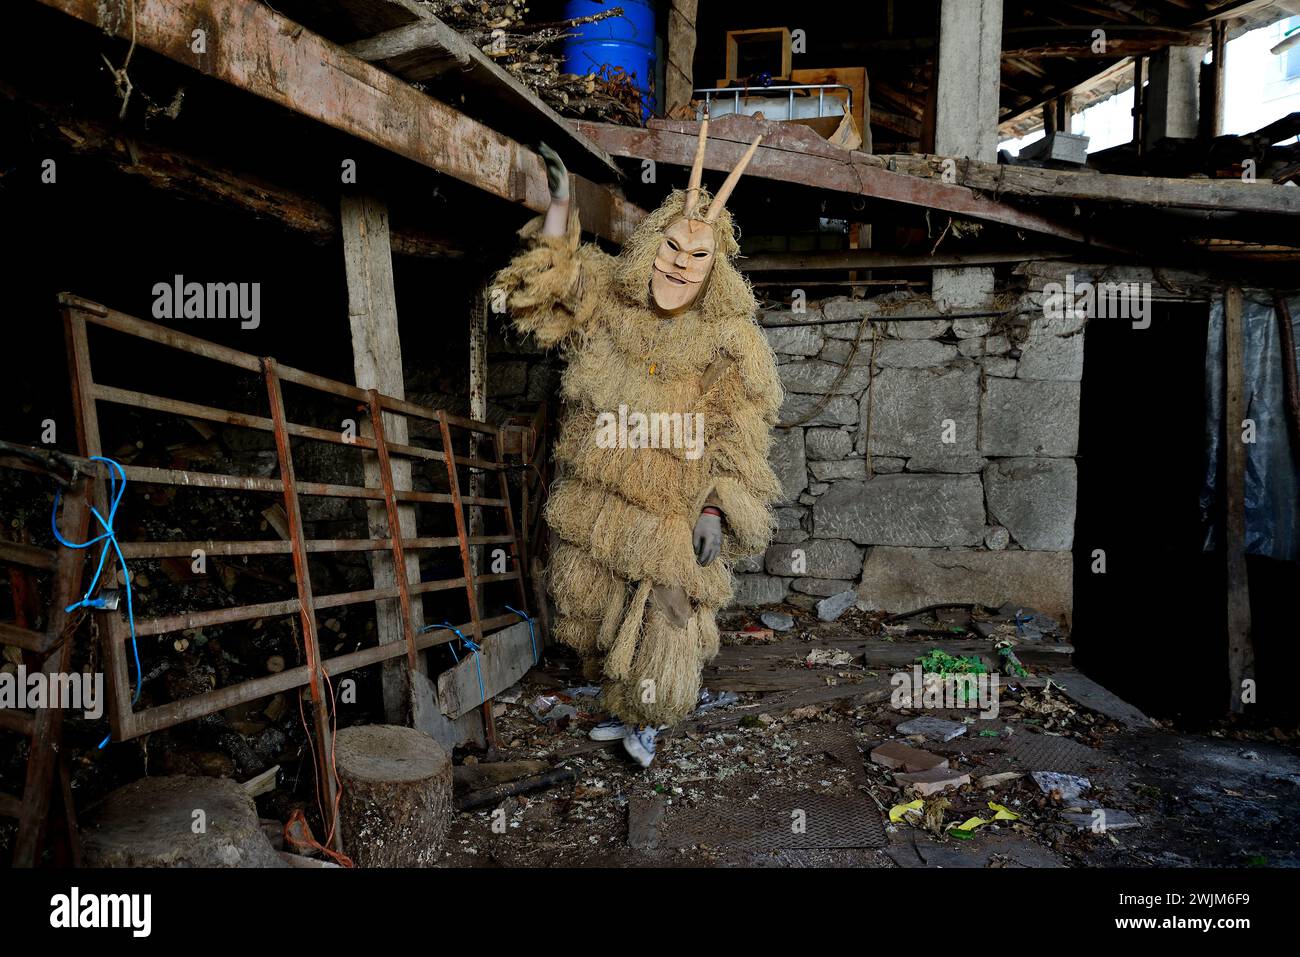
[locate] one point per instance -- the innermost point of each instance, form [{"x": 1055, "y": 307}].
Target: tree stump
[
  {"x": 396, "y": 804},
  {"x": 177, "y": 821}
]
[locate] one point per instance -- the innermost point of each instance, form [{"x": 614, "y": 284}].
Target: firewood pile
[{"x": 533, "y": 53}]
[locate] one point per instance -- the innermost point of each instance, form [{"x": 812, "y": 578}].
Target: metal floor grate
[{"x": 831, "y": 821}]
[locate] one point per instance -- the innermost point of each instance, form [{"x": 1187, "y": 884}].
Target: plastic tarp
[{"x": 1272, "y": 467}]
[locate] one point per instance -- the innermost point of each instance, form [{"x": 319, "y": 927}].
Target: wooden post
[
  {"x": 1139, "y": 100},
  {"x": 1219, "y": 75},
  {"x": 478, "y": 409},
  {"x": 1241, "y": 651},
  {"x": 377, "y": 364},
  {"x": 679, "y": 79}
]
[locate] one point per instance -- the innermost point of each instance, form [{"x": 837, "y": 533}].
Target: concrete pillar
[
  {"x": 1173, "y": 95},
  {"x": 968, "y": 81}
]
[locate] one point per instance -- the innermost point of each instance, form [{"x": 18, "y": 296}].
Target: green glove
[{"x": 557, "y": 177}]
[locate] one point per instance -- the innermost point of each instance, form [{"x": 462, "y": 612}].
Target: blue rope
[
  {"x": 531, "y": 636},
  {"x": 468, "y": 643},
  {"x": 109, "y": 537}
]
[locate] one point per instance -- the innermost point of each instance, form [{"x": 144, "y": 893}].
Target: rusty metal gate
[{"x": 127, "y": 722}]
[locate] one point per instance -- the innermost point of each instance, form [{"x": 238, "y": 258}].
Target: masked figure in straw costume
[{"x": 670, "y": 395}]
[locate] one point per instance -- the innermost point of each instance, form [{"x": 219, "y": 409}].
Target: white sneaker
[
  {"x": 611, "y": 729},
  {"x": 640, "y": 744}
]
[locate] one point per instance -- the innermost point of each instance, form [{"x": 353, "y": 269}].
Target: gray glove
[
  {"x": 557, "y": 177},
  {"x": 707, "y": 537}
]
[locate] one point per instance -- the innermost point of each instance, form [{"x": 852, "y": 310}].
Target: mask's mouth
[{"x": 677, "y": 279}]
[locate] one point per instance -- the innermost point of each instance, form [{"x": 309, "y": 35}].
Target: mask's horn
[
  {"x": 720, "y": 200},
  {"x": 697, "y": 169}
]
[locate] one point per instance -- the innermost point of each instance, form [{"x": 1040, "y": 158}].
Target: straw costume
[{"x": 635, "y": 581}]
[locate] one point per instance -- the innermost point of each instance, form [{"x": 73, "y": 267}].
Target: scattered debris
[
  {"x": 1060, "y": 787},
  {"x": 936, "y": 729},
  {"x": 933, "y": 781},
  {"x": 777, "y": 620},
  {"x": 898, "y": 756},
  {"x": 1101, "y": 819},
  {"x": 821, "y": 657},
  {"x": 829, "y": 609}
]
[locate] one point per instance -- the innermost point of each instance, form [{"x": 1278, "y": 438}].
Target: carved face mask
[
  {"x": 686, "y": 252},
  {"x": 682, "y": 265}
]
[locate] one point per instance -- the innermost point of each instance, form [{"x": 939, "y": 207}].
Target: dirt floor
[{"x": 784, "y": 777}]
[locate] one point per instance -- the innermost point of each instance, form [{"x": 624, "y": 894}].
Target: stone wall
[{"x": 933, "y": 463}]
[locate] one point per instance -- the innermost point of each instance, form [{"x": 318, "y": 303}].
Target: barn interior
[{"x": 1110, "y": 333}]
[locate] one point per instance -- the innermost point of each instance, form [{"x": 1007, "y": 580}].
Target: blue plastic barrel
[{"x": 627, "y": 41}]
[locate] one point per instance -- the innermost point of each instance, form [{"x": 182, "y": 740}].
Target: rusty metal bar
[
  {"x": 196, "y": 706},
  {"x": 225, "y": 616},
  {"x": 394, "y": 526},
  {"x": 147, "y": 475},
  {"x": 471, "y": 588},
  {"x": 515, "y": 551},
  {"x": 307, "y": 609},
  {"x": 314, "y": 546}
]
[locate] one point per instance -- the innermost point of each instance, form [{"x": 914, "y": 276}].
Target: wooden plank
[
  {"x": 873, "y": 259},
  {"x": 10, "y": 806},
  {"x": 47, "y": 723},
  {"x": 1241, "y": 650},
  {"x": 18, "y": 722},
  {"x": 1083, "y": 690},
  {"x": 1152, "y": 191},
  {"x": 377, "y": 364},
  {"x": 257, "y": 50},
  {"x": 31, "y": 556},
  {"x": 505, "y": 658},
  {"x": 790, "y": 156},
  {"x": 19, "y": 637},
  {"x": 167, "y": 168}
]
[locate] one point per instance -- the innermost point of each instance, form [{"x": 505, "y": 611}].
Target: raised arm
[{"x": 553, "y": 287}]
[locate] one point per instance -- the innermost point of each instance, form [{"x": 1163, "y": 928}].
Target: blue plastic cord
[
  {"x": 116, "y": 475},
  {"x": 468, "y": 643},
  {"x": 531, "y": 636}
]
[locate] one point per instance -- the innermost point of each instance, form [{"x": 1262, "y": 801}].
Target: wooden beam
[
  {"x": 1153, "y": 191},
  {"x": 871, "y": 259},
  {"x": 1241, "y": 652},
  {"x": 794, "y": 154},
  {"x": 176, "y": 171},
  {"x": 1235, "y": 8},
  {"x": 257, "y": 50},
  {"x": 377, "y": 364},
  {"x": 1077, "y": 41},
  {"x": 679, "y": 75}
]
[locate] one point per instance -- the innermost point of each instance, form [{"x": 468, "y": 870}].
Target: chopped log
[
  {"x": 473, "y": 777},
  {"x": 177, "y": 821},
  {"x": 539, "y": 782},
  {"x": 396, "y": 795}
]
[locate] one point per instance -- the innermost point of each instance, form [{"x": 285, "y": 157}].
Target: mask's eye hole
[
  {"x": 672, "y": 245},
  {"x": 699, "y": 254}
]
